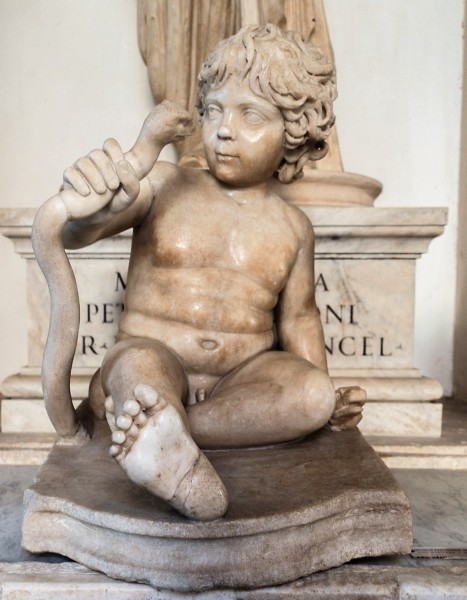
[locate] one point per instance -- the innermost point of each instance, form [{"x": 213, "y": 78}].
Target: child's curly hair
[{"x": 288, "y": 72}]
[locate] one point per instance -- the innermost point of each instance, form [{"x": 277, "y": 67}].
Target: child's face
[{"x": 243, "y": 135}]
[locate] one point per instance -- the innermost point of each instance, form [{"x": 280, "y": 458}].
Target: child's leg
[
  {"x": 145, "y": 386},
  {"x": 275, "y": 397}
]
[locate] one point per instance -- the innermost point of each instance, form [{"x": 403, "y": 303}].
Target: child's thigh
[
  {"x": 280, "y": 372},
  {"x": 141, "y": 360}
]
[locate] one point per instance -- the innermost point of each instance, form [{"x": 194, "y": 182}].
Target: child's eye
[
  {"x": 212, "y": 110},
  {"x": 253, "y": 117}
]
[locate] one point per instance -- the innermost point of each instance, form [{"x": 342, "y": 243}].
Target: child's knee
[
  {"x": 142, "y": 360},
  {"x": 318, "y": 397}
]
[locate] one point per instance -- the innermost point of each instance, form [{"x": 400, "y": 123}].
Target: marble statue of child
[{"x": 220, "y": 344}]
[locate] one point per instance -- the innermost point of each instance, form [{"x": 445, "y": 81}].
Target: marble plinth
[
  {"x": 428, "y": 580},
  {"x": 294, "y": 510}
]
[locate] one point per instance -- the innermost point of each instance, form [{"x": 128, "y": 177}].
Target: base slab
[
  {"x": 424, "y": 580},
  {"x": 294, "y": 509}
]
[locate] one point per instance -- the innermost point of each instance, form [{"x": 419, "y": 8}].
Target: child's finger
[
  {"x": 130, "y": 186},
  {"x": 91, "y": 174},
  {"x": 72, "y": 177},
  {"x": 113, "y": 150},
  {"x": 106, "y": 168}
]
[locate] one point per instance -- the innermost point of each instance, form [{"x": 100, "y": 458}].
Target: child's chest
[{"x": 255, "y": 240}]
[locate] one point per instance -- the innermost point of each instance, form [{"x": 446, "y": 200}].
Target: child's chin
[{"x": 235, "y": 178}]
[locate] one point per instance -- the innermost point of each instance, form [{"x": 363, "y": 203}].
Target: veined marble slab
[
  {"x": 409, "y": 419},
  {"x": 433, "y": 581},
  {"x": 379, "y": 418},
  {"x": 26, "y": 415}
]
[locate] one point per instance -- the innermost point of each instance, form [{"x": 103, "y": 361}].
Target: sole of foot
[{"x": 156, "y": 451}]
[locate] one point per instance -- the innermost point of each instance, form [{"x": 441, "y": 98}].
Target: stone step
[
  {"x": 446, "y": 452},
  {"x": 25, "y": 448},
  {"x": 421, "y": 579},
  {"x": 381, "y": 418}
]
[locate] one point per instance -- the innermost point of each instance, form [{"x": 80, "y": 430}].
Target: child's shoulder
[
  {"x": 298, "y": 219},
  {"x": 165, "y": 174},
  {"x": 164, "y": 171}
]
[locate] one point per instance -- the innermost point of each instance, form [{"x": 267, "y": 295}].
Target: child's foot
[
  {"x": 154, "y": 448},
  {"x": 349, "y": 408}
]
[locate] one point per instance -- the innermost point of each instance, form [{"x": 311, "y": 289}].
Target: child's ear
[
  {"x": 317, "y": 150},
  {"x": 292, "y": 164}
]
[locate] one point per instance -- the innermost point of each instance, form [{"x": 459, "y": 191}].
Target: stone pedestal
[
  {"x": 294, "y": 509},
  {"x": 431, "y": 580},
  {"x": 365, "y": 281}
]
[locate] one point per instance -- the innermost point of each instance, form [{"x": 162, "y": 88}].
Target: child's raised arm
[
  {"x": 104, "y": 193},
  {"x": 107, "y": 191}
]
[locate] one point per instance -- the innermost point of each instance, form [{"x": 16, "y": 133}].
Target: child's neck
[{"x": 246, "y": 194}]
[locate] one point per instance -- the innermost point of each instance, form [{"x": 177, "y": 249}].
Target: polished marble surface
[
  {"x": 14, "y": 480},
  {"x": 439, "y": 506}
]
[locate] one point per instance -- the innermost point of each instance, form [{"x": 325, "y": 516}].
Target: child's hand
[
  {"x": 108, "y": 178},
  {"x": 103, "y": 177}
]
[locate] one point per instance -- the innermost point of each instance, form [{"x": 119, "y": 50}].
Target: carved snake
[{"x": 47, "y": 239}]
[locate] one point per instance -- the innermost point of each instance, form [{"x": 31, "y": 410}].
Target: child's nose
[{"x": 226, "y": 127}]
